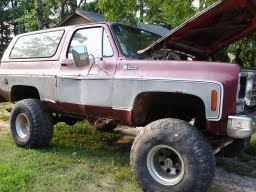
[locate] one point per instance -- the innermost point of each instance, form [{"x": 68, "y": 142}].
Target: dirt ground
[
  {"x": 4, "y": 127},
  {"x": 228, "y": 182}
]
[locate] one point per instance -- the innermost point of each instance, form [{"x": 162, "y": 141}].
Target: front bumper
[{"x": 241, "y": 126}]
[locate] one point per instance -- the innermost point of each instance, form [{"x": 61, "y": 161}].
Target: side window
[
  {"x": 92, "y": 39},
  {"x": 41, "y": 45},
  {"x": 107, "y": 48}
]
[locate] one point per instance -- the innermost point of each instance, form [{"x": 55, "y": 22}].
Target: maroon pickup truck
[{"x": 170, "y": 86}]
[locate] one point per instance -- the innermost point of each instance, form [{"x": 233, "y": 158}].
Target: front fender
[{"x": 125, "y": 91}]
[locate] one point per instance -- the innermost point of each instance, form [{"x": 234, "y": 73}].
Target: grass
[
  {"x": 79, "y": 159},
  {"x": 4, "y": 115}
]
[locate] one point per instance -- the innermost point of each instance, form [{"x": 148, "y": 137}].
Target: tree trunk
[
  {"x": 62, "y": 10},
  {"x": 141, "y": 5},
  {"x": 73, "y": 5},
  {"x": 40, "y": 19},
  {"x": 1, "y": 36},
  {"x": 15, "y": 30},
  {"x": 80, "y": 3}
]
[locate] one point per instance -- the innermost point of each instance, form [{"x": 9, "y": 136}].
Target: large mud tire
[
  {"x": 31, "y": 126},
  {"x": 185, "y": 151}
]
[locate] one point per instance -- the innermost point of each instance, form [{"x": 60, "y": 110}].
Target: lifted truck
[{"x": 103, "y": 71}]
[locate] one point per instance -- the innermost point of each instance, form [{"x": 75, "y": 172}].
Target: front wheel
[{"x": 171, "y": 155}]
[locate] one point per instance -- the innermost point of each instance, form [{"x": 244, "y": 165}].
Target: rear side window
[{"x": 41, "y": 45}]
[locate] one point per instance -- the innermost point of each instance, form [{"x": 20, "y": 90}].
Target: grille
[
  {"x": 242, "y": 91},
  {"x": 252, "y": 92},
  {"x": 247, "y": 90}
]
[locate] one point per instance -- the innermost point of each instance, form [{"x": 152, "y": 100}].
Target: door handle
[{"x": 64, "y": 64}]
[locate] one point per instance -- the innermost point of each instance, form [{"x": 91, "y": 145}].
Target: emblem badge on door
[{"x": 129, "y": 67}]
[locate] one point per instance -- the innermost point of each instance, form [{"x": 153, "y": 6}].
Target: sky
[{"x": 196, "y": 3}]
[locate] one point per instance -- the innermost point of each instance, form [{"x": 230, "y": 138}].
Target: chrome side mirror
[{"x": 80, "y": 55}]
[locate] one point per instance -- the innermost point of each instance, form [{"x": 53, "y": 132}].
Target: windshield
[{"x": 131, "y": 39}]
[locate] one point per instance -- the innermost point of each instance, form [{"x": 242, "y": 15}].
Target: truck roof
[
  {"x": 6, "y": 55},
  {"x": 63, "y": 28}
]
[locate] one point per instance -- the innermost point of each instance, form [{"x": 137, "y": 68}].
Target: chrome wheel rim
[
  {"x": 165, "y": 165},
  {"x": 22, "y": 125}
]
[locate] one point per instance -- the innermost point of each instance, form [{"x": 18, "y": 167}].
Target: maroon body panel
[
  {"x": 225, "y": 73},
  {"x": 229, "y": 108},
  {"x": 89, "y": 112}
]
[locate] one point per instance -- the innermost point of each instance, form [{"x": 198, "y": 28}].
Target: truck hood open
[{"x": 213, "y": 29}]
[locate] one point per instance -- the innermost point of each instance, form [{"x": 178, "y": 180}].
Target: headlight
[
  {"x": 240, "y": 108},
  {"x": 249, "y": 83},
  {"x": 249, "y": 86}
]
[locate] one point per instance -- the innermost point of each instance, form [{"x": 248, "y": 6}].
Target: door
[{"x": 87, "y": 90}]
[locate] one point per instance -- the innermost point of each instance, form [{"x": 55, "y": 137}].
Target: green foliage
[
  {"x": 244, "y": 51},
  {"x": 92, "y": 6},
  {"x": 5, "y": 23},
  {"x": 119, "y": 10},
  {"x": 168, "y": 12},
  {"x": 75, "y": 136}
]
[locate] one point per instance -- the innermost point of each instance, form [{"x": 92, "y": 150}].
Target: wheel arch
[
  {"x": 20, "y": 92},
  {"x": 151, "y": 106}
]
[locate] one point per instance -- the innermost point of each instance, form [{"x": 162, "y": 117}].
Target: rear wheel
[
  {"x": 31, "y": 126},
  {"x": 171, "y": 155}
]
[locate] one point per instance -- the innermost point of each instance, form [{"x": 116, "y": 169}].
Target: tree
[
  {"x": 244, "y": 51},
  {"x": 92, "y": 6},
  {"x": 119, "y": 10},
  {"x": 170, "y": 13},
  {"x": 39, "y": 11},
  {"x": 141, "y": 9},
  {"x": 165, "y": 12},
  {"x": 5, "y": 25}
]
